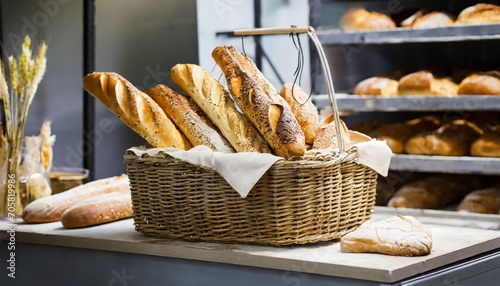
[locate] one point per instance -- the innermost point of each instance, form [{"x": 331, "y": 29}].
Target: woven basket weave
[{"x": 312, "y": 199}]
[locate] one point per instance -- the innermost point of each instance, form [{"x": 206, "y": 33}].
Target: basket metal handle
[{"x": 324, "y": 64}]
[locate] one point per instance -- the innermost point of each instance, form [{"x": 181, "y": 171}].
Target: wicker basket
[
  {"x": 315, "y": 198},
  {"x": 63, "y": 179}
]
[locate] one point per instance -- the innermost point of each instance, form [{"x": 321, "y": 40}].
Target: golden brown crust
[
  {"x": 360, "y": 19},
  {"x": 51, "y": 208},
  {"x": 306, "y": 113},
  {"x": 260, "y": 103},
  {"x": 377, "y": 86},
  {"x": 480, "y": 84},
  {"x": 394, "y": 134},
  {"x": 326, "y": 134},
  {"x": 433, "y": 192},
  {"x": 98, "y": 210},
  {"x": 423, "y": 19},
  {"x": 481, "y": 13},
  {"x": 136, "y": 109},
  {"x": 486, "y": 201},
  {"x": 488, "y": 145},
  {"x": 424, "y": 83},
  {"x": 47, "y": 141},
  {"x": 192, "y": 124}
]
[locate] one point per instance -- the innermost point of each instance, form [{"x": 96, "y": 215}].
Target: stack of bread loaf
[
  {"x": 426, "y": 83},
  {"x": 284, "y": 123},
  {"x": 431, "y": 135},
  {"x": 360, "y": 19}
]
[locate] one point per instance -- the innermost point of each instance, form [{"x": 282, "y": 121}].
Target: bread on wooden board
[
  {"x": 51, "y": 208},
  {"x": 306, "y": 113},
  {"x": 360, "y": 19},
  {"x": 136, "y": 109},
  {"x": 260, "y": 102},
  {"x": 98, "y": 210},
  {"x": 211, "y": 97},
  {"x": 398, "y": 235},
  {"x": 192, "y": 124}
]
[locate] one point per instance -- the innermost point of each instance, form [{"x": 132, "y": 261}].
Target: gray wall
[{"x": 141, "y": 40}]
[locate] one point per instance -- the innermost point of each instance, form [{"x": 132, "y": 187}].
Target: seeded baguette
[
  {"x": 98, "y": 210},
  {"x": 261, "y": 104},
  {"x": 178, "y": 109},
  {"x": 215, "y": 101},
  {"x": 51, "y": 208},
  {"x": 136, "y": 109}
]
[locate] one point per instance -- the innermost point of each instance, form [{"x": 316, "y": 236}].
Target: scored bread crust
[
  {"x": 306, "y": 113},
  {"x": 191, "y": 123},
  {"x": 136, "y": 109},
  {"x": 211, "y": 97},
  {"x": 268, "y": 111}
]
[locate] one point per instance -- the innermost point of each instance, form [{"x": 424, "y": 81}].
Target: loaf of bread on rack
[
  {"x": 260, "y": 102},
  {"x": 398, "y": 235},
  {"x": 192, "y": 124},
  {"x": 303, "y": 108},
  {"x": 136, "y": 109},
  {"x": 488, "y": 144},
  {"x": 426, "y": 19},
  {"x": 394, "y": 134},
  {"x": 377, "y": 85},
  {"x": 51, "y": 208},
  {"x": 451, "y": 139},
  {"x": 326, "y": 134},
  {"x": 212, "y": 98},
  {"x": 434, "y": 192},
  {"x": 481, "y": 84},
  {"x": 425, "y": 123},
  {"x": 359, "y": 19},
  {"x": 424, "y": 83},
  {"x": 480, "y": 13},
  {"x": 98, "y": 210},
  {"x": 486, "y": 201}
]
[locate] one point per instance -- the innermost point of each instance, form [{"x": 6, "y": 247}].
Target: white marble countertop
[{"x": 450, "y": 244}]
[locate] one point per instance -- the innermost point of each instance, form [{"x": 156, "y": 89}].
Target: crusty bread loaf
[
  {"x": 306, "y": 113},
  {"x": 424, "y": 19},
  {"x": 424, "y": 83},
  {"x": 358, "y": 19},
  {"x": 98, "y": 210},
  {"x": 481, "y": 84},
  {"x": 136, "y": 109},
  {"x": 434, "y": 192},
  {"x": 261, "y": 104},
  {"x": 192, "y": 124},
  {"x": 377, "y": 86},
  {"x": 451, "y": 139},
  {"x": 51, "y": 208},
  {"x": 425, "y": 123},
  {"x": 486, "y": 201},
  {"x": 488, "y": 144},
  {"x": 215, "y": 101},
  {"x": 399, "y": 235},
  {"x": 394, "y": 134},
  {"x": 480, "y": 13},
  {"x": 326, "y": 134}
]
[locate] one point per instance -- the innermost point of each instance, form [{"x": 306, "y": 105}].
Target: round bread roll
[
  {"x": 434, "y": 19},
  {"x": 377, "y": 86},
  {"x": 481, "y": 84},
  {"x": 479, "y": 14},
  {"x": 356, "y": 19}
]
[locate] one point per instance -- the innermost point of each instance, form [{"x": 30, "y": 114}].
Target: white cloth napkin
[{"x": 243, "y": 170}]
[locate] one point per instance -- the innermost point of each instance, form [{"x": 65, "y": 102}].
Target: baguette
[
  {"x": 260, "y": 102},
  {"x": 211, "y": 97},
  {"x": 51, "y": 208},
  {"x": 191, "y": 123},
  {"x": 306, "y": 113},
  {"x": 98, "y": 210},
  {"x": 136, "y": 109}
]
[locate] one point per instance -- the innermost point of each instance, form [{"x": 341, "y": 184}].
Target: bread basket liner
[{"x": 243, "y": 170}]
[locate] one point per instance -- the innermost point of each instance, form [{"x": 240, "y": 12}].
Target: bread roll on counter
[
  {"x": 399, "y": 235},
  {"x": 268, "y": 111},
  {"x": 136, "y": 109},
  {"x": 451, "y": 139},
  {"x": 424, "y": 83},
  {"x": 486, "y": 201},
  {"x": 377, "y": 86},
  {"x": 211, "y": 97},
  {"x": 480, "y": 13},
  {"x": 306, "y": 113},
  {"x": 423, "y": 19},
  {"x": 359, "y": 19},
  {"x": 481, "y": 84},
  {"x": 434, "y": 192},
  {"x": 192, "y": 124}
]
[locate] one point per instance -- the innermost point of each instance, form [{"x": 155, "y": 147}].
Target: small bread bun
[{"x": 481, "y": 84}]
